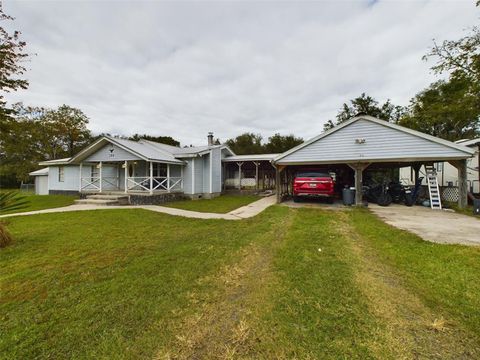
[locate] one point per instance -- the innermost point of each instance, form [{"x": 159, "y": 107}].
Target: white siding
[
  {"x": 187, "y": 177},
  {"x": 217, "y": 170},
  {"x": 118, "y": 154},
  {"x": 206, "y": 173},
  {"x": 41, "y": 185},
  {"x": 199, "y": 175},
  {"x": 70, "y": 181},
  {"x": 381, "y": 143}
]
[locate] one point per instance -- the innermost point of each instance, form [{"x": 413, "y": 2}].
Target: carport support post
[
  {"x": 358, "y": 168},
  {"x": 461, "y": 166},
  {"x": 256, "y": 174},
  {"x": 278, "y": 185},
  {"x": 240, "y": 175},
  {"x": 416, "y": 168}
]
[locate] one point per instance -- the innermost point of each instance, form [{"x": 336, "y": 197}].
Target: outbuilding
[
  {"x": 41, "y": 181},
  {"x": 367, "y": 142}
]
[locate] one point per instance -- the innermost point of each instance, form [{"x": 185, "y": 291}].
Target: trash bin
[
  {"x": 476, "y": 207},
  {"x": 348, "y": 195}
]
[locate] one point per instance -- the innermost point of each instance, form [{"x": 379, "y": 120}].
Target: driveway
[{"x": 440, "y": 226}]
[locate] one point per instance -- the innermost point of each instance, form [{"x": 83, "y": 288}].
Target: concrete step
[
  {"x": 107, "y": 197},
  {"x": 101, "y": 202}
]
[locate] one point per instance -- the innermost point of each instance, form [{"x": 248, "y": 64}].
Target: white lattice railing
[
  {"x": 142, "y": 183},
  {"x": 93, "y": 183}
]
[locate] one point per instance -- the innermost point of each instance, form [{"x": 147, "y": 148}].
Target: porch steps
[{"x": 103, "y": 200}]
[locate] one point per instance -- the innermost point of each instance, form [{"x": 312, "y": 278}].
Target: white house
[
  {"x": 118, "y": 165},
  {"x": 150, "y": 172}
]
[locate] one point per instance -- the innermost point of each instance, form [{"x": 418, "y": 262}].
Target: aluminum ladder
[{"x": 433, "y": 189}]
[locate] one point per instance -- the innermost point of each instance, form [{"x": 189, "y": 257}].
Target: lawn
[
  {"x": 221, "y": 204},
  {"x": 40, "y": 202},
  {"x": 288, "y": 283}
]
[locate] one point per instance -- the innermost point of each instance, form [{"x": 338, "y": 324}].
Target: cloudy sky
[{"x": 185, "y": 68}]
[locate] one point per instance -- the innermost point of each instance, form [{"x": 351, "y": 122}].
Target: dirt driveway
[{"x": 440, "y": 226}]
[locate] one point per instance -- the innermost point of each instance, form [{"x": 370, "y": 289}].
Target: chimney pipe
[{"x": 210, "y": 139}]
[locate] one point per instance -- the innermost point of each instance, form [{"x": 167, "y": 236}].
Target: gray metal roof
[
  {"x": 469, "y": 142},
  {"x": 368, "y": 139},
  {"x": 253, "y": 157},
  {"x": 40, "y": 172}
]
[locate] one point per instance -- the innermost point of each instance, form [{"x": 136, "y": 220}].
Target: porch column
[
  {"x": 126, "y": 176},
  {"x": 256, "y": 174},
  {"x": 80, "y": 183},
  {"x": 461, "y": 166},
  {"x": 118, "y": 176},
  {"x": 358, "y": 168},
  {"x": 224, "y": 176},
  {"x": 100, "y": 174},
  {"x": 151, "y": 178},
  {"x": 181, "y": 177},
  {"x": 168, "y": 177},
  {"x": 240, "y": 175}
]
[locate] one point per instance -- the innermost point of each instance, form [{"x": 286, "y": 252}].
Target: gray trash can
[
  {"x": 348, "y": 195},
  {"x": 476, "y": 207}
]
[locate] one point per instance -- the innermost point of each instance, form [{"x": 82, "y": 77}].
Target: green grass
[
  {"x": 40, "y": 202},
  {"x": 288, "y": 283},
  {"x": 221, "y": 204}
]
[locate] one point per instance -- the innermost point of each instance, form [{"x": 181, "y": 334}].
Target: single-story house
[{"x": 153, "y": 169}]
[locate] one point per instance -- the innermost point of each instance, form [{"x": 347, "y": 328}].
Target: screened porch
[{"x": 130, "y": 176}]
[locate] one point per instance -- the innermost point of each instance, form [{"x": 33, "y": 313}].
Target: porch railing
[
  {"x": 142, "y": 183},
  {"x": 93, "y": 183}
]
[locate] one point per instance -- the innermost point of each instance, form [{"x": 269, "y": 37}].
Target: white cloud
[{"x": 183, "y": 69}]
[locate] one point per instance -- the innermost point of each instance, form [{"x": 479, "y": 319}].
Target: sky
[{"x": 183, "y": 69}]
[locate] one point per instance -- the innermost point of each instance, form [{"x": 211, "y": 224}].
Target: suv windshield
[{"x": 313, "y": 174}]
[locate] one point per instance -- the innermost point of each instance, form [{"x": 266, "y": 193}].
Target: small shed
[
  {"x": 41, "y": 181},
  {"x": 367, "y": 142}
]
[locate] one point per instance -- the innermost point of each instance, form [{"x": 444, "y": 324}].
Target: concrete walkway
[
  {"x": 440, "y": 226},
  {"x": 243, "y": 212}
]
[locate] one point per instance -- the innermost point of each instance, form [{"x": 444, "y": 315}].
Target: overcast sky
[{"x": 185, "y": 68}]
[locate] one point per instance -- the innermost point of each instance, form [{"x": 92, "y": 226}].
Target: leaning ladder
[{"x": 433, "y": 190}]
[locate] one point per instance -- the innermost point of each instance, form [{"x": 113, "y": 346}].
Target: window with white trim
[{"x": 61, "y": 174}]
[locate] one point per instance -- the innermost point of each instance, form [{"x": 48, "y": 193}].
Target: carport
[{"x": 367, "y": 142}]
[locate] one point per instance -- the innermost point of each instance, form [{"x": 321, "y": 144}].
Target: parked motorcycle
[
  {"x": 401, "y": 193},
  {"x": 378, "y": 193}
]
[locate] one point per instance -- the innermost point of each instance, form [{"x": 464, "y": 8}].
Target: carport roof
[{"x": 368, "y": 139}]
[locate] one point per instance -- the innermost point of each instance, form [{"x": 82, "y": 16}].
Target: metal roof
[
  {"x": 399, "y": 144},
  {"x": 40, "y": 172},
  {"x": 469, "y": 142},
  {"x": 253, "y": 157}
]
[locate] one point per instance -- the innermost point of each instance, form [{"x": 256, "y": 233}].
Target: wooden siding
[
  {"x": 217, "y": 170},
  {"x": 118, "y": 154},
  {"x": 381, "y": 143}
]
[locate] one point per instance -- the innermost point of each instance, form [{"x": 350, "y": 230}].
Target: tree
[
  {"x": 247, "y": 143},
  {"x": 366, "y": 105},
  {"x": 67, "y": 130},
  {"x": 11, "y": 56},
  {"x": 160, "y": 139},
  {"x": 446, "y": 109},
  {"x": 36, "y": 134},
  {"x": 279, "y": 144},
  {"x": 460, "y": 57}
]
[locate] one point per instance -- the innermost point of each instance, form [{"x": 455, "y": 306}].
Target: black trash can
[
  {"x": 348, "y": 195},
  {"x": 476, "y": 207}
]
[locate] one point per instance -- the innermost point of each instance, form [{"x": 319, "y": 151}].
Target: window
[
  {"x": 159, "y": 170},
  {"x": 439, "y": 166},
  {"x": 61, "y": 174},
  {"x": 93, "y": 173}
]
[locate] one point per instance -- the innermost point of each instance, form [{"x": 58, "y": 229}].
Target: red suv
[{"x": 313, "y": 183}]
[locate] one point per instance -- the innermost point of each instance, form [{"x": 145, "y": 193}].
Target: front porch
[{"x": 130, "y": 177}]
